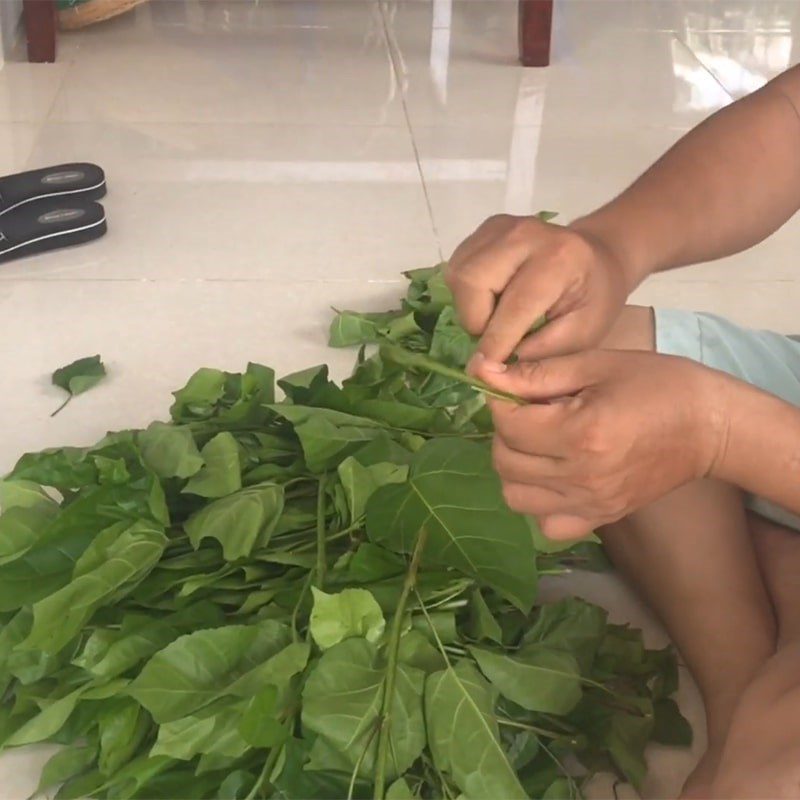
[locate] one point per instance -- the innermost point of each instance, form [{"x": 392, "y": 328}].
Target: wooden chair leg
[
  {"x": 535, "y": 32},
  {"x": 40, "y": 29}
]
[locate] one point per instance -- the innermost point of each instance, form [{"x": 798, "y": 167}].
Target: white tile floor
[{"x": 268, "y": 160}]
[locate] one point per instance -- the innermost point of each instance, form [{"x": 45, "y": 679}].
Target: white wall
[{"x": 10, "y": 15}]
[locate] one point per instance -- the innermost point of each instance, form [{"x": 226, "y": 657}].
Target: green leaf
[
  {"x": 240, "y": 522},
  {"x": 170, "y": 451},
  {"x": 22, "y": 527},
  {"x": 47, "y": 722},
  {"x": 463, "y": 734},
  {"x": 258, "y": 725},
  {"x": 626, "y": 740},
  {"x": 24, "y": 494},
  {"x": 78, "y": 377},
  {"x": 197, "y": 668},
  {"x": 111, "y": 470},
  {"x": 560, "y": 789},
  {"x": 295, "y": 782},
  {"x": 213, "y": 734},
  {"x": 342, "y": 701},
  {"x": 424, "y": 363},
  {"x": 63, "y": 468},
  {"x": 277, "y": 669},
  {"x": 482, "y": 624},
  {"x": 453, "y": 492},
  {"x": 122, "y": 726},
  {"x": 400, "y": 790},
  {"x": 221, "y": 474},
  {"x": 671, "y": 727},
  {"x": 572, "y": 625},
  {"x": 416, "y": 651},
  {"x": 360, "y": 482},
  {"x": 351, "y": 612},
  {"x": 108, "y": 654},
  {"x": 536, "y": 678},
  {"x": 373, "y": 563},
  {"x": 450, "y": 343},
  {"x": 59, "y": 617},
  {"x": 328, "y": 436},
  {"x": 63, "y": 765},
  {"x": 199, "y": 398}
]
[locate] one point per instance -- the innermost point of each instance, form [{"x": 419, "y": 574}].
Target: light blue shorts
[{"x": 764, "y": 359}]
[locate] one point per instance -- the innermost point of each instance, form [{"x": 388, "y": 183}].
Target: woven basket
[{"x": 90, "y": 11}]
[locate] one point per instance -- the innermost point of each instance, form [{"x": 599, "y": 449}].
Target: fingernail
[{"x": 492, "y": 366}]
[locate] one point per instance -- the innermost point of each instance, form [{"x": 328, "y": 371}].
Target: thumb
[{"x": 537, "y": 380}]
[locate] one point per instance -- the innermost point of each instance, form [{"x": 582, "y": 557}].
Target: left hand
[{"x": 620, "y": 430}]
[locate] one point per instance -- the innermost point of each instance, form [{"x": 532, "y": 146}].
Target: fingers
[
  {"x": 541, "y": 380},
  {"x": 517, "y": 467},
  {"x": 533, "y": 429},
  {"x": 535, "y": 500},
  {"x": 474, "y": 306},
  {"x": 565, "y": 527},
  {"x": 560, "y": 337},
  {"x": 483, "y": 264},
  {"x": 530, "y": 293}
]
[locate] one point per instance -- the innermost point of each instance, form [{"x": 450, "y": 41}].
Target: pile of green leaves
[{"x": 318, "y": 597}]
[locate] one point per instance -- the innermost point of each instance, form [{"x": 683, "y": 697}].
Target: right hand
[{"x": 512, "y": 271}]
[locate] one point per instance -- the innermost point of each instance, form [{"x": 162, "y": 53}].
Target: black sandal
[
  {"x": 86, "y": 181},
  {"x": 49, "y": 225}
]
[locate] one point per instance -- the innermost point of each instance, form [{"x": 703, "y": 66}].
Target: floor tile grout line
[
  {"x": 694, "y": 55},
  {"x": 410, "y": 128}
]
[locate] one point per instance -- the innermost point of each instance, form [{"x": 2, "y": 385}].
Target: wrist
[
  {"x": 605, "y": 231},
  {"x": 755, "y": 438}
]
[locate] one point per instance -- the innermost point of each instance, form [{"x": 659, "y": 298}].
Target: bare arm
[
  {"x": 722, "y": 188},
  {"x": 760, "y": 448}
]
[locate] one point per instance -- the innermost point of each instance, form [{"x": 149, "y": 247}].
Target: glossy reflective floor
[{"x": 269, "y": 160}]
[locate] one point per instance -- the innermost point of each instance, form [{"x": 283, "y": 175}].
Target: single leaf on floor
[{"x": 78, "y": 377}]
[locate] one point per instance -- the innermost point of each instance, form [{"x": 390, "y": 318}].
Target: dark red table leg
[
  {"x": 40, "y": 28},
  {"x": 535, "y": 32}
]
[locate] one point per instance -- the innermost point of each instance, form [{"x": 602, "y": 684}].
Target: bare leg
[
  {"x": 762, "y": 754},
  {"x": 691, "y": 557}
]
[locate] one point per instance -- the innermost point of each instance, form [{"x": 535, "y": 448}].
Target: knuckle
[
  {"x": 520, "y": 230},
  {"x": 498, "y": 454},
  {"x": 594, "y": 441},
  {"x": 513, "y": 496}
]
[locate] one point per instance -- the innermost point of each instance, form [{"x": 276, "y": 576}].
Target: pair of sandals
[{"x": 49, "y": 208}]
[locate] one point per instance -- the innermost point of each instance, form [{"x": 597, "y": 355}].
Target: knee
[{"x": 633, "y": 330}]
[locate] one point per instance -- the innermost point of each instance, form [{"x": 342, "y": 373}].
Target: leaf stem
[
  {"x": 393, "y": 647},
  {"x": 269, "y": 765},
  {"x": 359, "y": 762},
  {"x": 532, "y": 728},
  {"x": 322, "y": 564},
  {"x": 296, "y": 609},
  {"x": 63, "y": 405}
]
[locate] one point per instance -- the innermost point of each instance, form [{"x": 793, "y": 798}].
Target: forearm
[
  {"x": 760, "y": 449},
  {"x": 722, "y": 188}
]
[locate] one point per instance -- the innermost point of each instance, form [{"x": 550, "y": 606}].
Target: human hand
[
  {"x": 512, "y": 271},
  {"x": 604, "y": 433}
]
